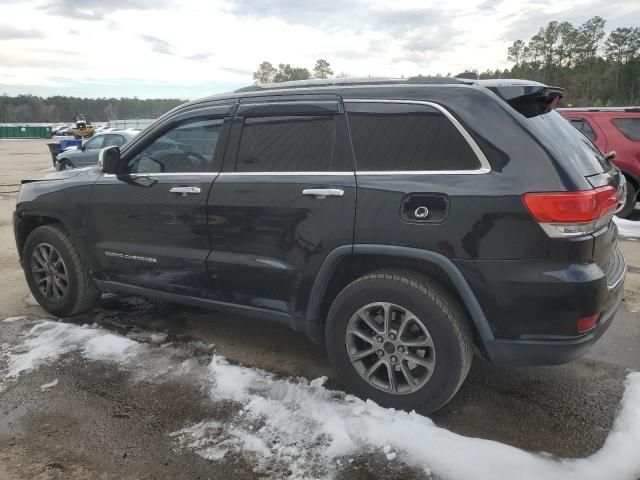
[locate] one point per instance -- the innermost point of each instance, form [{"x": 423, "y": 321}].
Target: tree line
[
  {"x": 31, "y": 108},
  {"x": 267, "y": 73},
  {"x": 596, "y": 69}
]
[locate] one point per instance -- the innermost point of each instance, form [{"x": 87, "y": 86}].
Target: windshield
[{"x": 568, "y": 144}]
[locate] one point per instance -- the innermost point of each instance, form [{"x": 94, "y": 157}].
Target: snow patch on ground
[
  {"x": 309, "y": 428},
  {"x": 148, "y": 337},
  {"x": 110, "y": 347},
  {"x": 293, "y": 428},
  {"x": 627, "y": 228},
  {"x": 31, "y": 300},
  {"x": 14, "y": 319},
  {"x": 48, "y": 386},
  {"x": 46, "y": 341}
]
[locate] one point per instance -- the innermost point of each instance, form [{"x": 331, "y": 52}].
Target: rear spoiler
[{"x": 529, "y": 100}]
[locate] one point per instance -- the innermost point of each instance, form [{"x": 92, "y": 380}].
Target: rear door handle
[
  {"x": 184, "y": 191},
  {"x": 321, "y": 193}
]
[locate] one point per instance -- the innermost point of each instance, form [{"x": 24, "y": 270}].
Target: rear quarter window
[
  {"x": 406, "y": 137},
  {"x": 584, "y": 127},
  {"x": 567, "y": 144},
  {"x": 630, "y": 127}
]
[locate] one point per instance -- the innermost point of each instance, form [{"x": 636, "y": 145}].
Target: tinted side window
[
  {"x": 287, "y": 144},
  {"x": 189, "y": 147},
  {"x": 630, "y": 127},
  {"x": 388, "y": 137},
  {"x": 584, "y": 127},
  {"x": 113, "y": 140}
]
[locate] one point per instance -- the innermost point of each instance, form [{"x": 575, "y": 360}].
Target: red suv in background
[{"x": 613, "y": 129}]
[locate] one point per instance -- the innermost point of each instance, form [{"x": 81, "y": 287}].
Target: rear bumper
[
  {"x": 533, "y": 316},
  {"x": 553, "y": 351}
]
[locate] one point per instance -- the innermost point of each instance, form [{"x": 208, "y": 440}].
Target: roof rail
[{"x": 356, "y": 81}]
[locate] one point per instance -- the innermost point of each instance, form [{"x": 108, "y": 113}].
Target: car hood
[
  {"x": 71, "y": 152},
  {"x": 91, "y": 172}
]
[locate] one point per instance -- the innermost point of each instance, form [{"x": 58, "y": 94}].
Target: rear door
[
  {"x": 150, "y": 226},
  {"x": 285, "y": 199},
  {"x": 113, "y": 140}
]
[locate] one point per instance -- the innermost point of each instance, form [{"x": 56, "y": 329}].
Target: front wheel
[
  {"x": 55, "y": 273},
  {"x": 63, "y": 164},
  {"x": 399, "y": 339}
]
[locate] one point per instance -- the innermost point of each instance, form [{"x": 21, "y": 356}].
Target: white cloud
[{"x": 194, "y": 48}]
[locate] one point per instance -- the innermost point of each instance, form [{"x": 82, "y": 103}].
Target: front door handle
[
  {"x": 184, "y": 191},
  {"x": 321, "y": 193}
]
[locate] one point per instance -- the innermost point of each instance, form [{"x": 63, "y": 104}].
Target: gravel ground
[{"x": 98, "y": 423}]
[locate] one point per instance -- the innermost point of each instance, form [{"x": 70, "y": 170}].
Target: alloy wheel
[
  {"x": 49, "y": 272},
  {"x": 390, "y": 348}
]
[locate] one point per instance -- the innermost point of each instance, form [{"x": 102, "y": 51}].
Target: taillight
[
  {"x": 569, "y": 214},
  {"x": 587, "y": 323}
]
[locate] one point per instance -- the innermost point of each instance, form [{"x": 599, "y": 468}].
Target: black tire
[
  {"x": 81, "y": 293},
  {"x": 445, "y": 320},
  {"x": 630, "y": 203},
  {"x": 63, "y": 164}
]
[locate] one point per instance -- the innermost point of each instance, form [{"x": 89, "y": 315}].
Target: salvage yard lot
[{"x": 148, "y": 389}]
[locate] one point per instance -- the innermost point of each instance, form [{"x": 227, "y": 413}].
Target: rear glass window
[
  {"x": 567, "y": 144},
  {"x": 406, "y": 137},
  {"x": 630, "y": 127}
]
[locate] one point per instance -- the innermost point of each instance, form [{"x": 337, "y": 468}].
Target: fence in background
[{"x": 131, "y": 123}]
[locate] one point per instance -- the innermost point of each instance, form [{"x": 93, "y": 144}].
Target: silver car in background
[{"x": 87, "y": 154}]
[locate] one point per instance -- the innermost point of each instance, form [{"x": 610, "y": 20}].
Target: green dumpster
[{"x": 25, "y": 131}]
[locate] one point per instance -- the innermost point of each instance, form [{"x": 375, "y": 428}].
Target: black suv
[{"x": 404, "y": 223}]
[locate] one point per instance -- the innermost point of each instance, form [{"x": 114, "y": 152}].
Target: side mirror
[
  {"x": 611, "y": 155},
  {"x": 109, "y": 159}
]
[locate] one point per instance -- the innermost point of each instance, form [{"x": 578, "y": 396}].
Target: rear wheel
[
  {"x": 630, "y": 203},
  {"x": 55, "y": 273},
  {"x": 400, "y": 339}
]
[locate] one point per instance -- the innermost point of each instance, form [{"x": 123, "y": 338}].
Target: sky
[{"x": 188, "y": 48}]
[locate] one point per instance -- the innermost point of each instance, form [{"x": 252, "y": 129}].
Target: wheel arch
[
  {"x": 28, "y": 221},
  {"x": 631, "y": 177},
  {"x": 346, "y": 263}
]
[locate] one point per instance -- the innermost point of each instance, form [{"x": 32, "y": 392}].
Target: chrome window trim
[
  {"x": 424, "y": 172},
  {"x": 234, "y": 174},
  {"x": 482, "y": 159},
  {"x": 314, "y": 174},
  {"x": 166, "y": 174},
  {"x": 485, "y": 166}
]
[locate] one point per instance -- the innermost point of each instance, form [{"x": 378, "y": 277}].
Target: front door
[
  {"x": 150, "y": 225},
  {"x": 285, "y": 199},
  {"x": 89, "y": 152}
]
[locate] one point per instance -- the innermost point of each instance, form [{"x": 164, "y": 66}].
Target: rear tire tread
[
  {"x": 451, "y": 310},
  {"x": 441, "y": 298}
]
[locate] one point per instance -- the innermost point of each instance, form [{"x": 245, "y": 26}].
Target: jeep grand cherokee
[{"x": 404, "y": 223}]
